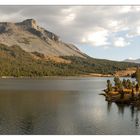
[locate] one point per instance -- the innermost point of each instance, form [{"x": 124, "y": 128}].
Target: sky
[{"x": 106, "y": 32}]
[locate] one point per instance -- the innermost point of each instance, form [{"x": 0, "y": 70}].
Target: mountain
[
  {"x": 26, "y": 49},
  {"x": 33, "y": 38},
  {"x": 132, "y": 61}
]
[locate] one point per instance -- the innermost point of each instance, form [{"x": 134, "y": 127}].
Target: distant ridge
[{"x": 132, "y": 61}]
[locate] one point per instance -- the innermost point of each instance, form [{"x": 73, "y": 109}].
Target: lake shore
[
  {"x": 58, "y": 76},
  {"x": 122, "y": 73},
  {"x": 53, "y": 77}
]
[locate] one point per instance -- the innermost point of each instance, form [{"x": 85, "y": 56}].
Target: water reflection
[
  {"x": 121, "y": 109},
  {"x": 137, "y": 119},
  {"x": 63, "y": 107},
  {"x": 27, "y": 124},
  {"x": 109, "y": 104},
  {"x": 132, "y": 108}
]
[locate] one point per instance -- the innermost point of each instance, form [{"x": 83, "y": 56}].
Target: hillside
[
  {"x": 16, "y": 62},
  {"x": 126, "y": 72}
]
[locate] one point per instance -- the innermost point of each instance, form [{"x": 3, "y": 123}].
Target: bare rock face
[
  {"x": 29, "y": 23},
  {"x": 31, "y": 26},
  {"x": 33, "y": 38},
  {"x": 6, "y": 27}
]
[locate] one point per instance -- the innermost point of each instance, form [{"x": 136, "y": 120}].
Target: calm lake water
[{"x": 62, "y": 106}]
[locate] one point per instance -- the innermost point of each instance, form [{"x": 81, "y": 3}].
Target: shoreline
[
  {"x": 122, "y": 73},
  {"x": 59, "y": 76},
  {"x": 52, "y": 77}
]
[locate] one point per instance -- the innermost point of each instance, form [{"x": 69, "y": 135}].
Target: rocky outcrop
[
  {"x": 7, "y": 27},
  {"x": 31, "y": 26},
  {"x": 29, "y": 23}
]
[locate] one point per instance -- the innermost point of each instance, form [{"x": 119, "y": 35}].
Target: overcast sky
[{"x": 111, "y": 32}]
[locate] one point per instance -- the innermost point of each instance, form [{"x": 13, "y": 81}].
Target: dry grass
[
  {"x": 126, "y": 72},
  {"x": 57, "y": 59}
]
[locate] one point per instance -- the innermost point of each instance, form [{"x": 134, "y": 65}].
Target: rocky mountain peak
[
  {"x": 32, "y": 26},
  {"x": 29, "y": 23}
]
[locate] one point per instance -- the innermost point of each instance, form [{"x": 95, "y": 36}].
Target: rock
[{"x": 29, "y": 23}]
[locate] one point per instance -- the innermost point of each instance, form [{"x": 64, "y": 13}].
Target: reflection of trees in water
[
  {"x": 137, "y": 119},
  {"x": 120, "y": 108},
  {"x": 27, "y": 125},
  {"x": 134, "y": 112},
  {"x": 132, "y": 108},
  {"x": 109, "y": 104}
]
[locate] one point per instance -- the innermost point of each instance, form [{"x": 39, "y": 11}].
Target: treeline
[
  {"x": 16, "y": 62},
  {"x": 137, "y": 75},
  {"x": 92, "y": 65},
  {"x": 120, "y": 85}
]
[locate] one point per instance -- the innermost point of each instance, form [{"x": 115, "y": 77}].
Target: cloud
[
  {"x": 68, "y": 19},
  {"x": 97, "y": 26},
  {"x": 131, "y": 58},
  {"x": 126, "y": 9},
  {"x": 120, "y": 42},
  {"x": 97, "y": 37},
  {"x": 135, "y": 31}
]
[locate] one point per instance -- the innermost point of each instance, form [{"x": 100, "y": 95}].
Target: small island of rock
[{"x": 124, "y": 91}]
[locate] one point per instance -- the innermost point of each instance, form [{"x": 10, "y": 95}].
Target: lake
[{"x": 62, "y": 106}]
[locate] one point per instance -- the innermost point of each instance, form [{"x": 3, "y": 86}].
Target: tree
[
  {"x": 138, "y": 76},
  {"x": 120, "y": 86},
  {"x": 133, "y": 84},
  {"x": 122, "y": 94},
  {"x": 109, "y": 85},
  {"x": 118, "y": 83},
  {"x": 132, "y": 93},
  {"x": 129, "y": 84},
  {"x": 116, "y": 80},
  {"x": 137, "y": 87},
  {"x": 124, "y": 83}
]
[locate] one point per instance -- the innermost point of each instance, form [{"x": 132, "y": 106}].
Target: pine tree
[
  {"x": 124, "y": 83},
  {"x": 109, "y": 85},
  {"x": 138, "y": 76},
  {"x": 133, "y": 84},
  {"x": 118, "y": 83},
  {"x": 129, "y": 84}
]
